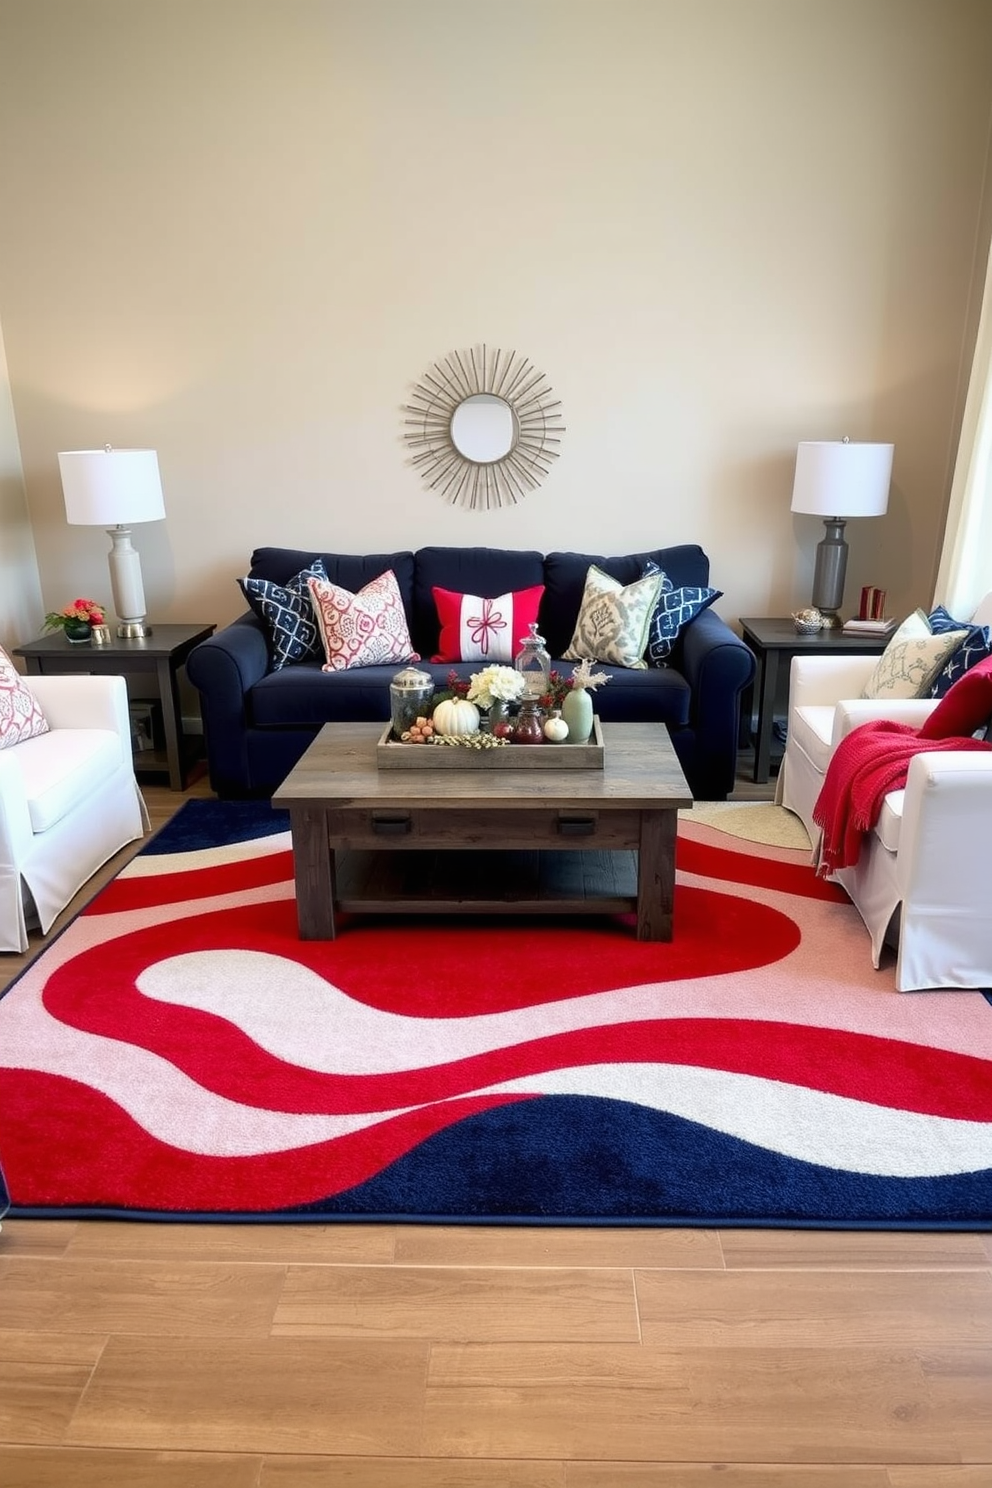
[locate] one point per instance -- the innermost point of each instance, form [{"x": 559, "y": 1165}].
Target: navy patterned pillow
[
  {"x": 976, "y": 645},
  {"x": 288, "y": 614},
  {"x": 673, "y": 612}
]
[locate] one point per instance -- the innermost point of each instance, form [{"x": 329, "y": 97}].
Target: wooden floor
[{"x": 381, "y": 1356}]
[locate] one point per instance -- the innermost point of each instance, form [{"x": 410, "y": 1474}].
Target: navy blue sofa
[{"x": 258, "y": 722}]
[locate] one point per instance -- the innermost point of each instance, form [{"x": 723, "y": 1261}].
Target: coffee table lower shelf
[{"x": 498, "y": 882}]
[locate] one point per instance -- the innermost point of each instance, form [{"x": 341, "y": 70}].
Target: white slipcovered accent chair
[
  {"x": 920, "y": 882},
  {"x": 68, "y": 800}
]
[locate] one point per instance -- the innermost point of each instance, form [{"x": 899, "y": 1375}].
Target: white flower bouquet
[{"x": 495, "y": 684}]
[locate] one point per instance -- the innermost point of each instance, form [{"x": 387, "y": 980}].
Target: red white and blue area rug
[{"x": 178, "y": 1053}]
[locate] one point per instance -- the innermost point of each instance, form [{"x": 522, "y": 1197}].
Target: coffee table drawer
[{"x": 558, "y": 827}]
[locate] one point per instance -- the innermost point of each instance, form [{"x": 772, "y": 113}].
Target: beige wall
[
  {"x": 239, "y": 231},
  {"x": 20, "y": 592}
]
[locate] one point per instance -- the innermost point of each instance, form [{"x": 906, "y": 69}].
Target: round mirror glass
[{"x": 483, "y": 428}]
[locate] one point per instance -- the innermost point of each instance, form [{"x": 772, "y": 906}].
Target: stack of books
[
  {"x": 881, "y": 626},
  {"x": 870, "y": 620}
]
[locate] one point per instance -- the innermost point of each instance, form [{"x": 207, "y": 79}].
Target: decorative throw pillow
[
  {"x": 613, "y": 620},
  {"x": 20, "y": 712},
  {"x": 364, "y": 629},
  {"x": 288, "y": 612},
  {"x": 966, "y": 708},
  {"x": 976, "y": 645},
  {"x": 912, "y": 659},
  {"x": 672, "y": 613},
  {"x": 490, "y": 630}
]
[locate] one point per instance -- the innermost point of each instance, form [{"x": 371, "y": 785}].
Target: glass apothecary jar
[
  {"x": 529, "y": 725},
  {"x": 534, "y": 663},
  {"x": 410, "y": 694}
]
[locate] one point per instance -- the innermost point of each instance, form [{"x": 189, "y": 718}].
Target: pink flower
[{"x": 85, "y": 609}]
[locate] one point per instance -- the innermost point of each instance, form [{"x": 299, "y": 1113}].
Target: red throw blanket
[{"x": 870, "y": 761}]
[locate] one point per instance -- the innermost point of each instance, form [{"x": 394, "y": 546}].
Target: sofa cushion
[
  {"x": 975, "y": 647},
  {"x": 363, "y": 629},
  {"x": 672, "y": 613},
  {"x": 21, "y": 715},
  {"x": 565, "y": 582},
  {"x": 613, "y": 619},
  {"x": 966, "y": 708},
  {"x": 485, "y": 571},
  {"x": 488, "y": 629},
  {"x": 643, "y": 695},
  {"x": 911, "y": 660},
  {"x": 63, "y": 767},
  {"x": 887, "y": 827},
  {"x": 351, "y": 570},
  {"x": 286, "y": 611},
  {"x": 303, "y": 696}
]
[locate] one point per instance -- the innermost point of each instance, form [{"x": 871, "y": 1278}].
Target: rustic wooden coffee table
[{"x": 489, "y": 841}]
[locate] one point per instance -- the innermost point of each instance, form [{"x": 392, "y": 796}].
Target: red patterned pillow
[
  {"x": 20, "y": 712},
  {"x": 364, "y": 629},
  {"x": 490, "y": 630}
]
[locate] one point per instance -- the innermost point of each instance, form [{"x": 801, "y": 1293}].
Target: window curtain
[{"x": 964, "y": 574}]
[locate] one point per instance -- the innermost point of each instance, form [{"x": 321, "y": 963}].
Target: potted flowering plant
[{"x": 77, "y": 619}]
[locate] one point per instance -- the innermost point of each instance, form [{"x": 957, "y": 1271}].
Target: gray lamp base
[
  {"x": 830, "y": 573},
  {"x": 133, "y": 630}
]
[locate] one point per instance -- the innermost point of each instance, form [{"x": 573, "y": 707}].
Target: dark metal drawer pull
[
  {"x": 576, "y": 826},
  {"x": 391, "y": 826}
]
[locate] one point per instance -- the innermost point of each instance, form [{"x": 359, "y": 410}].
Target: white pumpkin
[
  {"x": 556, "y": 729},
  {"x": 456, "y": 716}
]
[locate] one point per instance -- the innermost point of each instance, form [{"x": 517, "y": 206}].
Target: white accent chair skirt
[
  {"x": 68, "y": 800},
  {"x": 920, "y": 881}
]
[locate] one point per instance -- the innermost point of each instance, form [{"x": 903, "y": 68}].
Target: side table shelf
[
  {"x": 157, "y": 656},
  {"x": 775, "y": 642}
]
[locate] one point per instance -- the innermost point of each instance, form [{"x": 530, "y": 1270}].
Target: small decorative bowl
[{"x": 807, "y": 622}]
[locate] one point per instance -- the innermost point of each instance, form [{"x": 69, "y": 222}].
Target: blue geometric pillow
[
  {"x": 673, "y": 612},
  {"x": 287, "y": 611},
  {"x": 941, "y": 620},
  {"x": 976, "y": 645}
]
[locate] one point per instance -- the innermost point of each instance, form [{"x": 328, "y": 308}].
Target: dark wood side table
[
  {"x": 159, "y": 655},
  {"x": 775, "y": 642}
]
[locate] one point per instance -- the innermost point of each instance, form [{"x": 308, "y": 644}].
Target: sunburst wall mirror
[{"x": 484, "y": 427}]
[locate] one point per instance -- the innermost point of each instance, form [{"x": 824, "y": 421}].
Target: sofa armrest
[
  {"x": 717, "y": 665},
  {"x": 224, "y": 668},
  {"x": 941, "y": 856}
]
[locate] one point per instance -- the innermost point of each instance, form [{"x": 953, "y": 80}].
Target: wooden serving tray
[{"x": 390, "y": 754}]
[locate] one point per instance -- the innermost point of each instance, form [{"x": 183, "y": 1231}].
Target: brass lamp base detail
[{"x": 133, "y": 630}]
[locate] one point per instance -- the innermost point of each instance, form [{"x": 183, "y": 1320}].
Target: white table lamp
[
  {"x": 115, "y": 488},
  {"x": 836, "y": 479}
]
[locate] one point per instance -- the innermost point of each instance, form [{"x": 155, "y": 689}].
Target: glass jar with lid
[
  {"x": 534, "y": 663},
  {"x": 528, "y": 727},
  {"x": 410, "y": 693}
]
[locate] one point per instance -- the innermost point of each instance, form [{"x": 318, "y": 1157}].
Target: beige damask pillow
[
  {"x": 614, "y": 619},
  {"x": 912, "y": 659}
]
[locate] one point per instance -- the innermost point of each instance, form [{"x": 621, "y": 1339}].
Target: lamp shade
[
  {"x": 835, "y": 478},
  {"x": 111, "y": 487}
]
